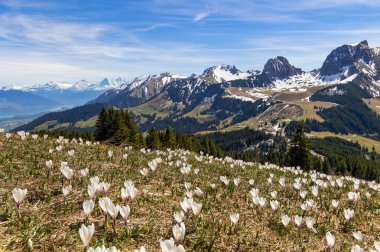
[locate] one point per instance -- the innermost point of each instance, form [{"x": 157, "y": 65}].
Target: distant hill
[{"x": 14, "y": 102}]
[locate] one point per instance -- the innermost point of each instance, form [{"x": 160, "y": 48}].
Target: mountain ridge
[{"x": 225, "y": 97}]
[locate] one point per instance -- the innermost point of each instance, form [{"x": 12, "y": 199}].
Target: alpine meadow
[{"x": 132, "y": 126}]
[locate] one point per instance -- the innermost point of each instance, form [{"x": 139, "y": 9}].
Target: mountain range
[
  {"x": 224, "y": 97},
  {"x": 22, "y": 100}
]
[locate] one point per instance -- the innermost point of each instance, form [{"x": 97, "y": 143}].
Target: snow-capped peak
[
  {"x": 107, "y": 83},
  {"x": 223, "y": 73},
  {"x": 51, "y": 85}
]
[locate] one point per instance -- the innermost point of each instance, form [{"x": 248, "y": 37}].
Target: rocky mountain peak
[
  {"x": 345, "y": 57},
  {"x": 223, "y": 73},
  {"x": 279, "y": 67}
]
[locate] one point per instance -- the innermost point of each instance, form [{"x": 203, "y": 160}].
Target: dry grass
[
  {"x": 309, "y": 110},
  {"x": 373, "y": 104},
  {"x": 53, "y": 225}
]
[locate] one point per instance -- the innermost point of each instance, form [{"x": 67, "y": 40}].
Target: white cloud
[
  {"x": 201, "y": 15},
  {"x": 156, "y": 26}
]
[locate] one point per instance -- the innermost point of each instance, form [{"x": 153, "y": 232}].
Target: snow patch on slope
[{"x": 297, "y": 81}]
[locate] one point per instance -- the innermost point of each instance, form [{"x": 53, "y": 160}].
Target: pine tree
[
  {"x": 169, "y": 138},
  {"x": 299, "y": 154},
  {"x": 133, "y": 136},
  {"x": 102, "y": 125},
  {"x": 153, "y": 140},
  {"x": 119, "y": 129}
]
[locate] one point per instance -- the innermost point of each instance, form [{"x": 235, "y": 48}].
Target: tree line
[{"x": 118, "y": 127}]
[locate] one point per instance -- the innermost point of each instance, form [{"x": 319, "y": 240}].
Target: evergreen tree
[
  {"x": 299, "y": 154},
  {"x": 169, "y": 138},
  {"x": 133, "y": 136},
  {"x": 153, "y": 139},
  {"x": 102, "y": 125}
]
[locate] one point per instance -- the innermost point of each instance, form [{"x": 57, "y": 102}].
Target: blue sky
[{"x": 72, "y": 40}]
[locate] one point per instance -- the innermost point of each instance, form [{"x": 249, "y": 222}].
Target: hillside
[
  {"x": 68, "y": 119},
  {"x": 173, "y": 179},
  {"x": 15, "y": 102}
]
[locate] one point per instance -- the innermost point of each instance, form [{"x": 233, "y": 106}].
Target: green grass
[
  {"x": 61, "y": 126},
  {"x": 363, "y": 141},
  {"x": 310, "y": 112},
  {"x": 45, "y": 125},
  {"x": 86, "y": 124}
]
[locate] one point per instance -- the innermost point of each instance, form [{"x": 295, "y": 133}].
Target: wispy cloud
[
  {"x": 156, "y": 26},
  {"x": 201, "y": 16},
  {"x": 92, "y": 40}
]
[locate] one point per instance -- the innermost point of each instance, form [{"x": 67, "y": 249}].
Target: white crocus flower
[
  {"x": 71, "y": 153},
  {"x": 348, "y": 214},
  {"x": 66, "y": 190},
  {"x": 236, "y": 181},
  {"x": 104, "y": 204},
  {"x": 110, "y": 153},
  {"x": 274, "y": 204},
  {"x": 273, "y": 194},
  {"x": 84, "y": 172},
  {"x": 106, "y": 186},
  {"x": 224, "y": 180},
  {"x": 285, "y": 220},
  {"x": 144, "y": 172},
  {"x": 186, "y": 205},
  {"x": 330, "y": 239},
  {"x": 88, "y": 206},
  {"x": 356, "y": 248},
  {"x": 199, "y": 192},
  {"x": 67, "y": 172},
  {"x": 310, "y": 224},
  {"x": 113, "y": 210},
  {"x": 141, "y": 249},
  {"x": 358, "y": 235},
  {"x": 169, "y": 246},
  {"x": 86, "y": 233},
  {"x": 95, "y": 180},
  {"x": 91, "y": 189},
  {"x": 19, "y": 195},
  {"x": 179, "y": 231},
  {"x": 298, "y": 220},
  {"x": 234, "y": 218},
  {"x": 178, "y": 216},
  {"x": 49, "y": 164},
  {"x": 30, "y": 243},
  {"x": 196, "y": 207},
  {"x": 124, "y": 212},
  {"x": 376, "y": 245},
  {"x": 335, "y": 203}
]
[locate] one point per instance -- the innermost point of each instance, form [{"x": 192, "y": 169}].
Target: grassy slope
[
  {"x": 363, "y": 141},
  {"x": 87, "y": 124},
  {"x": 158, "y": 105},
  {"x": 373, "y": 104},
  {"x": 310, "y": 112},
  {"x": 56, "y": 224}
]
